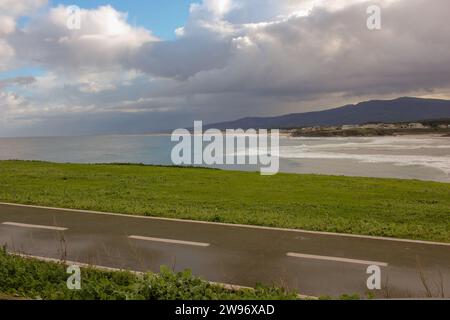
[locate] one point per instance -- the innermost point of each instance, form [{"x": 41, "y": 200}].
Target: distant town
[{"x": 376, "y": 129}]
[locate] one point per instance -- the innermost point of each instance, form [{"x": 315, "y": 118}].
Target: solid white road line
[
  {"x": 336, "y": 259},
  {"x": 33, "y": 226},
  {"x": 171, "y": 241}
]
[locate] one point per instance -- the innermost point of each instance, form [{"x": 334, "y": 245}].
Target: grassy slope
[
  {"x": 24, "y": 278},
  {"x": 381, "y": 207}
]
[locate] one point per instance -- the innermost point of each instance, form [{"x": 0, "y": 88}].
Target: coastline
[{"x": 370, "y": 133}]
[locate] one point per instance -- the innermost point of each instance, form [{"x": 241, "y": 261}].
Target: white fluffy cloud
[
  {"x": 10, "y": 10},
  {"x": 105, "y": 40},
  {"x": 233, "y": 58}
]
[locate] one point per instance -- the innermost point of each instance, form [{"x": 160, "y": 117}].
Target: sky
[{"x": 142, "y": 66}]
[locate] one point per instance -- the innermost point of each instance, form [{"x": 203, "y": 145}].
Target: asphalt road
[{"x": 315, "y": 264}]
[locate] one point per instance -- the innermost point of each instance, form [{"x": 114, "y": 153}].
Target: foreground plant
[{"x": 21, "y": 277}]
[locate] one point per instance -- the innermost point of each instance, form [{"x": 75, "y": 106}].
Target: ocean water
[{"x": 405, "y": 157}]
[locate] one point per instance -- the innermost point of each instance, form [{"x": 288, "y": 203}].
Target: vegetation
[
  {"x": 26, "y": 278},
  {"x": 377, "y": 207},
  {"x": 368, "y": 132}
]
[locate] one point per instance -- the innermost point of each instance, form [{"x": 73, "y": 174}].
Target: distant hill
[{"x": 388, "y": 111}]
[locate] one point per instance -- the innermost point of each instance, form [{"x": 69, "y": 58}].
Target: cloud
[
  {"x": 7, "y": 25},
  {"x": 20, "y": 7},
  {"x": 6, "y": 55},
  {"x": 10, "y": 10},
  {"x": 105, "y": 40},
  {"x": 327, "y": 51},
  {"x": 232, "y": 58}
]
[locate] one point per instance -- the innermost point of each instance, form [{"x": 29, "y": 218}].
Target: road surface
[{"x": 314, "y": 264}]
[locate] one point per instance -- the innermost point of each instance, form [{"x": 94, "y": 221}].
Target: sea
[{"x": 422, "y": 157}]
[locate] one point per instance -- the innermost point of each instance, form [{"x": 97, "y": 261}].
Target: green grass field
[{"x": 378, "y": 207}]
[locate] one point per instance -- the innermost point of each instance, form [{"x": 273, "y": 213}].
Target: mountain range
[{"x": 405, "y": 109}]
